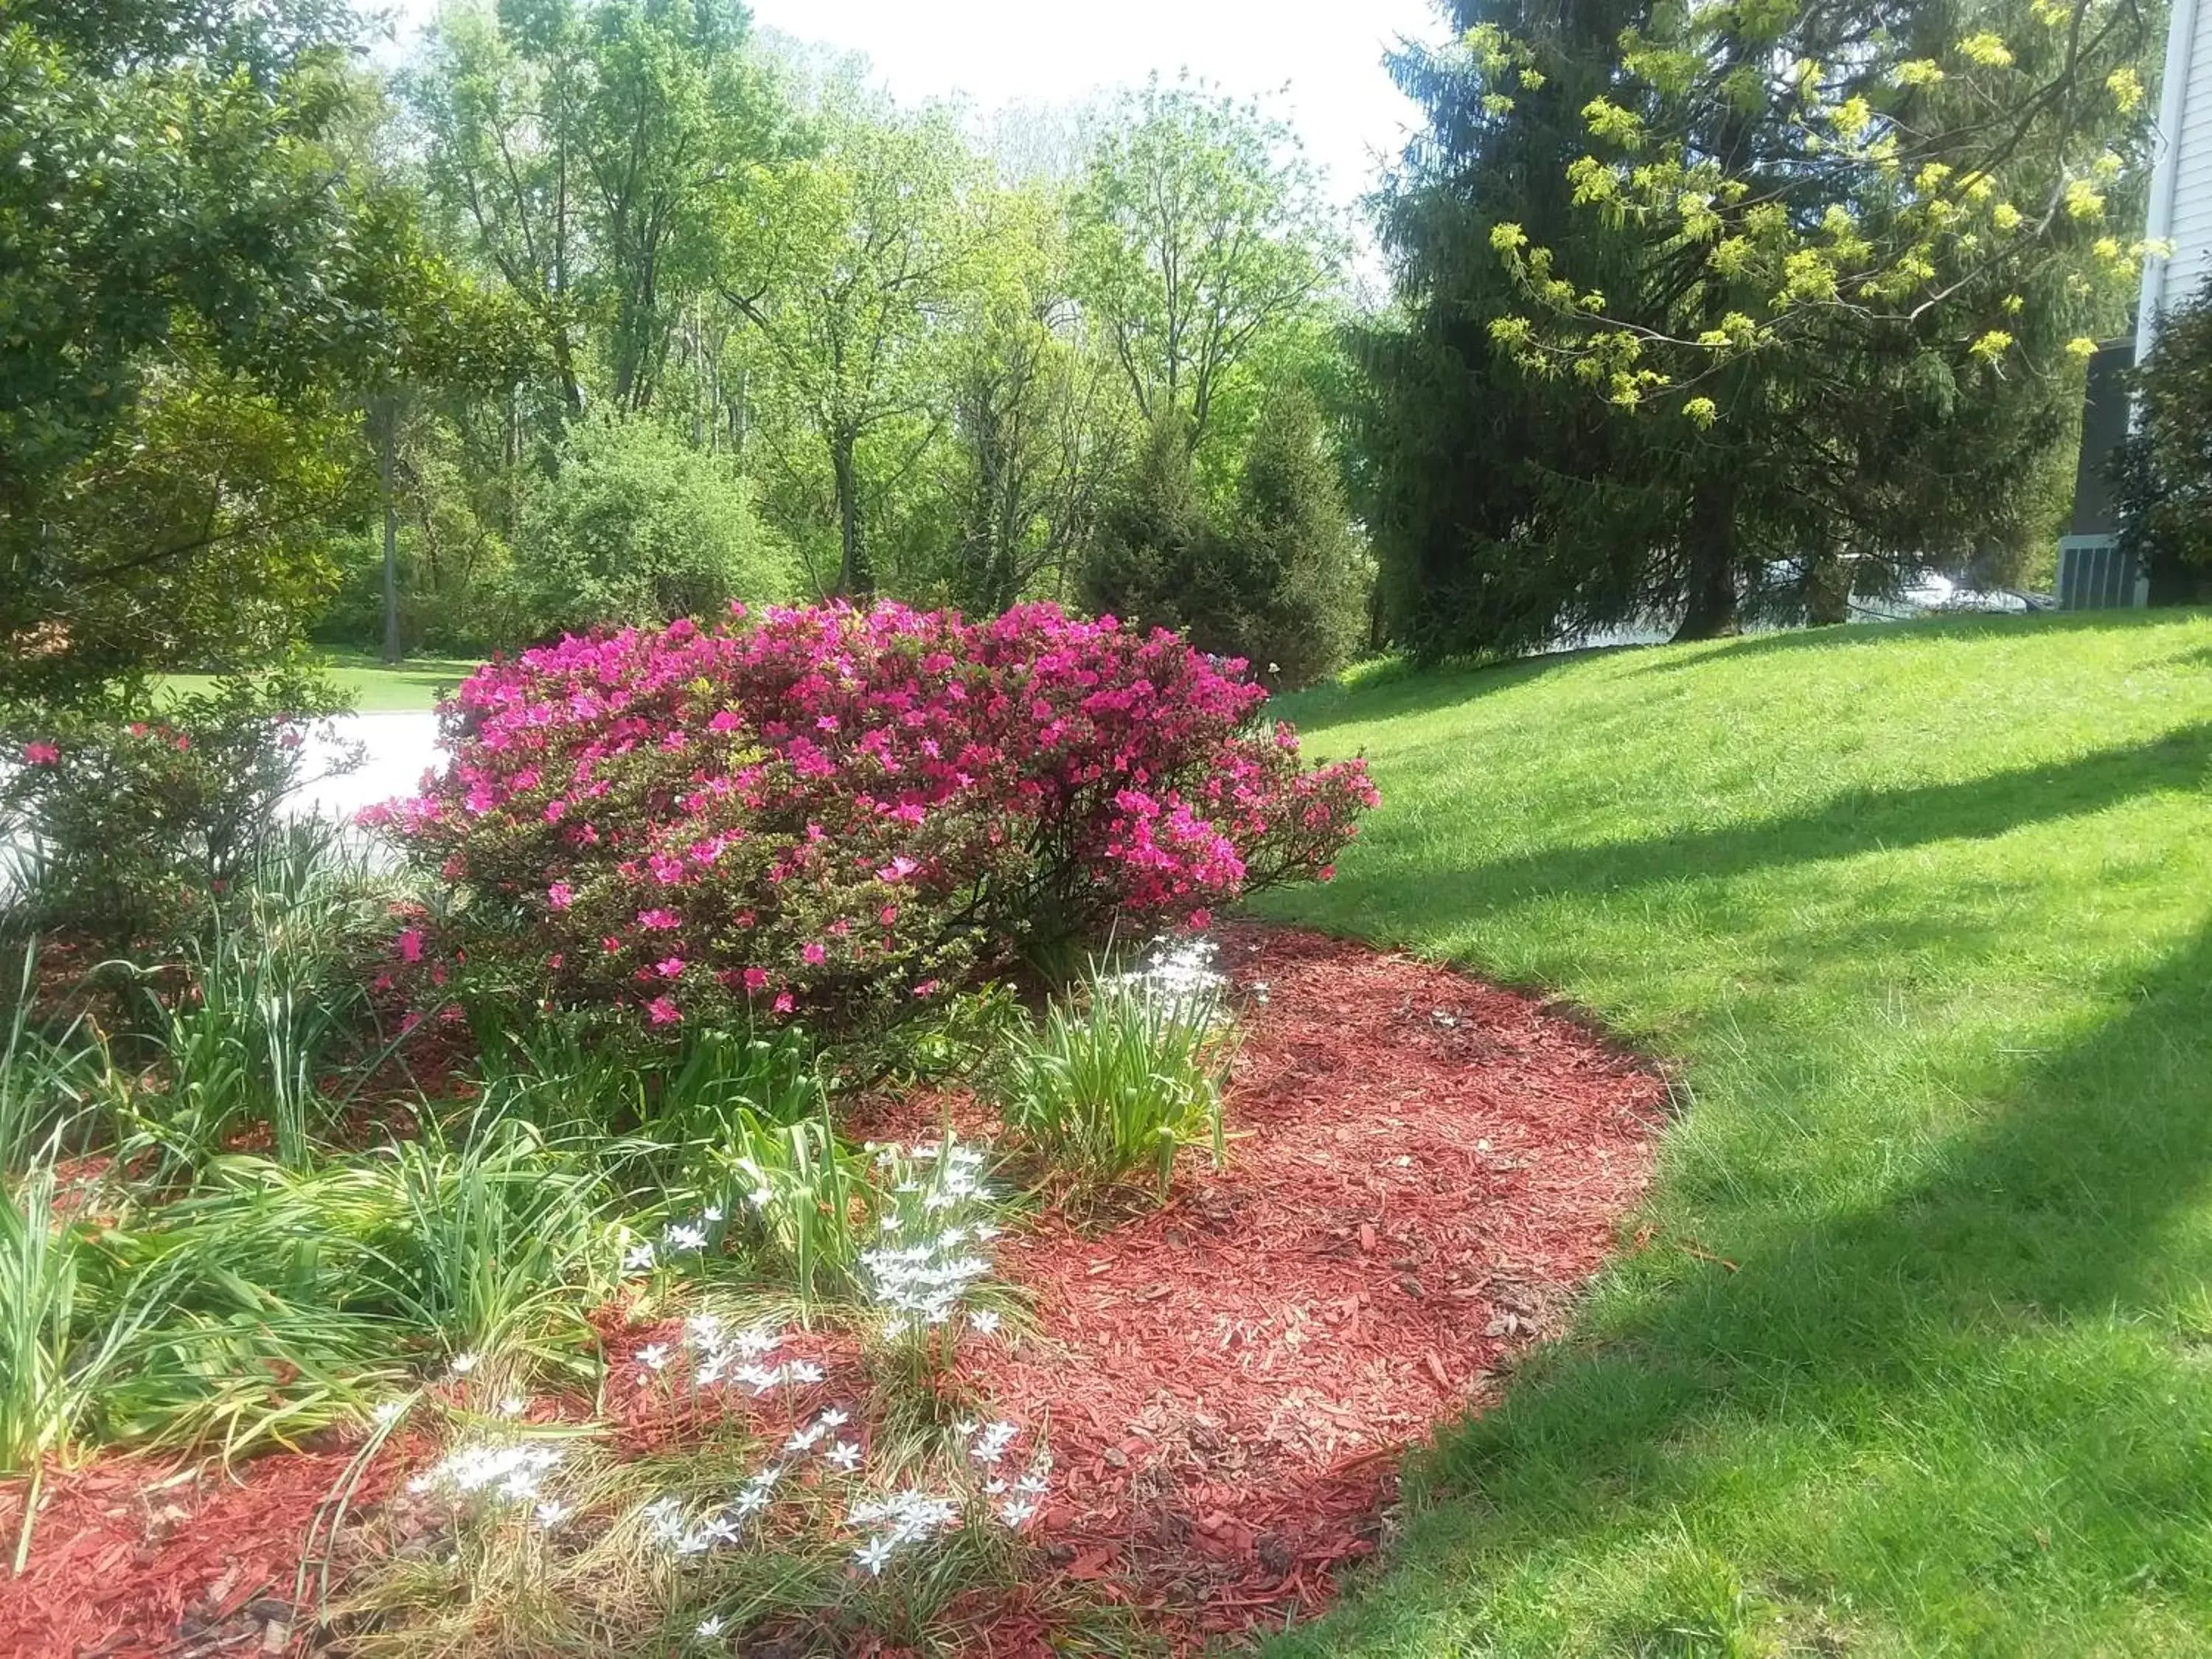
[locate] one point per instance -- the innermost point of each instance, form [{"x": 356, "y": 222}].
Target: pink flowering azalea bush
[{"x": 841, "y": 815}]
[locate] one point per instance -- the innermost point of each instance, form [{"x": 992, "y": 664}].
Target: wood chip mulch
[
  {"x": 1422, "y": 1171},
  {"x": 134, "y": 1558}
]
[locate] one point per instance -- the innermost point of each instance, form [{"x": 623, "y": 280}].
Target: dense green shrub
[
  {"x": 634, "y": 526},
  {"x": 125, "y": 811}
]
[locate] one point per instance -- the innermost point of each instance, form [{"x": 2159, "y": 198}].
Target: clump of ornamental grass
[
  {"x": 56, "y": 1351},
  {"x": 262, "y": 1001},
  {"x": 49, "y": 1081},
  {"x": 1112, "y": 1084},
  {"x": 653, "y": 1108}
]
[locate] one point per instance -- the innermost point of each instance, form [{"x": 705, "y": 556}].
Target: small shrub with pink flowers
[
  {"x": 128, "y": 810},
  {"x": 842, "y": 816}
]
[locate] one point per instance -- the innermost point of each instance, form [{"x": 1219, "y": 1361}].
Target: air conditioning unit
[{"x": 2095, "y": 574}]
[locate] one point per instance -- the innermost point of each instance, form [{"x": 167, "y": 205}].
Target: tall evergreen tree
[
  {"x": 1275, "y": 576},
  {"x": 1285, "y": 587}
]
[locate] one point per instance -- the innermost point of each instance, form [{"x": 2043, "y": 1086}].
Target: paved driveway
[{"x": 397, "y": 749}]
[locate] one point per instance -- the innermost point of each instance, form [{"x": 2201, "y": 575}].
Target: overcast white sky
[
  {"x": 1051, "y": 51},
  {"x": 1054, "y": 52}
]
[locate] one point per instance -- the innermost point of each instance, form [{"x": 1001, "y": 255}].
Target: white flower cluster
[
  {"x": 936, "y": 1194},
  {"x": 666, "y": 1520},
  {"x": 1180, "y": 972},
  {"x": 510, "y": 1473},
  {"x": 989, "y": 1445},
  {"x": 723, "y": 1356},
  {"x": 678, "y": 1237},
  {"x": 909, "y": 1516}
]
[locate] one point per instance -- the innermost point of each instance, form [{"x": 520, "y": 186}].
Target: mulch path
[{"x": 1424, "y": 1169}]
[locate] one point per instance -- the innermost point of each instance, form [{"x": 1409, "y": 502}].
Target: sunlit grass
[
  {"x": 1924, "y": 916},
  {"x": 413, "y": 686}
]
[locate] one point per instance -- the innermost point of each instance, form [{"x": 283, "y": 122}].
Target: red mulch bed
[
  {"x": 132, "y": 1558},
  {"x": 1424, "y": 1169}
]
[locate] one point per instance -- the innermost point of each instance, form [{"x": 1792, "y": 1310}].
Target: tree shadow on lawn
[
  {"x": 1404, "y": 689},
  {"x": 1851, "y": 822},
  {"x": 1954, "y": 1389}
]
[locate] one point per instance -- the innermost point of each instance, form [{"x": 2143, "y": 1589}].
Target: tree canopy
[{"x": 1740, "y": 305}]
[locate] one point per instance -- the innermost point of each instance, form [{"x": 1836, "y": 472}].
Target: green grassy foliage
[
  {"x": 1925, "y": 916},
  {"x": 1110, "y": 1088}
]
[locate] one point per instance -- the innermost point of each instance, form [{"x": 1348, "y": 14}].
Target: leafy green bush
[
  {"x": 129, "y": 810},
  {"x": 634, "y": 526},
  {"x": 1118, "y": 1082}
]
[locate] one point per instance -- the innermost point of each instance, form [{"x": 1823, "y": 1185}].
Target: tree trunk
[
  {"x": 1713, "y": 611},
  {"x": 854, "y": 580},
  {"x": 1827, "y": 589},
  {"x": 388, "y": 420}
]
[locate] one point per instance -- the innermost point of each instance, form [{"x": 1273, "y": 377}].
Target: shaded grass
[{"x": 1923, "y": 915}]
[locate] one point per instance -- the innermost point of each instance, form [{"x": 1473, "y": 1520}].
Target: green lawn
[
  {"x": 1924, "y": 916},
  {"x": 416, "y": 683}
]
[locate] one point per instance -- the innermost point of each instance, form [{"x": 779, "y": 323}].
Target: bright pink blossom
[
  {"x": 778, "y": 768},
  {"x": 663, "y": 1011},
  {"x": 560, "y": 895},
  {"x": 41, "y": 754}
]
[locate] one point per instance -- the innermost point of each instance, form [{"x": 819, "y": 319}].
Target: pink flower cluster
[{"x": 840, "y": 813}]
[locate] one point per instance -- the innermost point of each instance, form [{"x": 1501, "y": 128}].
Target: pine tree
[
  {"x": 1152, "y": 537},
  {"x": 1284, "y": 588},
  {"x": 1275, "y": 577}
]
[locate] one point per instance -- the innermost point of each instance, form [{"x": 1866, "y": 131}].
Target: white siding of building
[{"x": 2181, "y": 185}]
